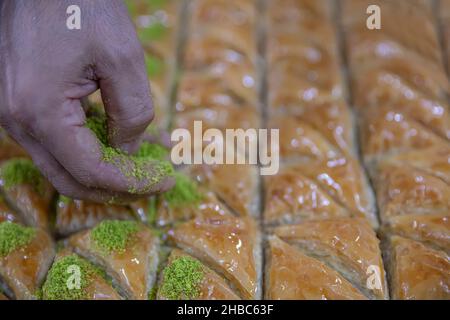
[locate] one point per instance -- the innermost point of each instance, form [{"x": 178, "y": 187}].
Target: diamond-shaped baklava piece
[
  {"x": 319, "y": 189},
  {"x": 127, "y": 250},
  {"x": 25, "y": 257},
  {"x": 185, "y": 277},
  {"x": 292, "y": 275},
  {"x": 417, "y": 271},
  {"x": 349, "y": 245},
  {"x": 77, "y": 215},
  {"x": 228, "y": 244},
  {"x": 72, "y": 277},
  {"x": 26, "y": 190}
]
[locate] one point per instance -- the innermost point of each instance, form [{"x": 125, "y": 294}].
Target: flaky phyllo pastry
[
  {"x": 359, "y": 208},
  {"x": 127, "y": 250},
  {"x": 219, "y": 86},
  {"x": 26, "y": 253},
  {"x": 400, "y": 90},
  {"x": 349, "y": 245},
  {"x": 27, "y": 191},
  {"x": 227, "y": 244}
]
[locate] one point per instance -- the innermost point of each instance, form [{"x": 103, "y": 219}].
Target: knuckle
[
  {"x": 127, "y": 57},
  {"x": 136, "y": 118},
  {"x": 135, "y": 52},
  {"x": 142, "y": 117}
]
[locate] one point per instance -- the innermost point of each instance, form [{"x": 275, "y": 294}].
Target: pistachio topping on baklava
[
  {"x": 184, "y": 192},
  {"x": 181, "y": 279},
  {"x": 114, "y": 236},
  {"x": 56, "y": 286},
  {"x": 14, "y": 236}
]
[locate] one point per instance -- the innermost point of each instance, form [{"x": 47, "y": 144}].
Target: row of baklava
[
  {"x": 218, "y": 85},
  {"x": 319, "y": 208},
  {"x": 125, "y": 259},
  {"x": 29, "y": 264},
  {"x": 400, "y": 94}
]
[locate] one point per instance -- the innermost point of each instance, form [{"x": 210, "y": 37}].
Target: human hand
[{"x": 45, "y": 71}]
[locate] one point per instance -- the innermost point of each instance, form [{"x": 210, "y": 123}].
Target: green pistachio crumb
[
  {"x": 185, "y": 192},
  {"x": 56, "y": 286},
  {"x": 14, "y": 236},
  {"x": 182, "y": 278},
  {"x": 97, "y": 124},
  {"x": 114, "y": 235},
  {"x": 21, "y": 171},
  {"x": 147, "y": 165}
]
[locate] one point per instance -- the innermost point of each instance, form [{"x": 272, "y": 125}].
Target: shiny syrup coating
[
  {"x": 25, "y": 269},
  {"x": 350, "y": 241},
  {"x": 419, "y": 272},
  {"x": 211, "y": 287},
  {"x": 131, "y": 267},
  {"x": 32, "y": 205},
  {"x": 291, "y": 275},
  {"x": 227, "y": 244},
  {"x": 432, "y": 229},
  {"x": 234, "y": 184},
  {"x": 77, "y": 215}
]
